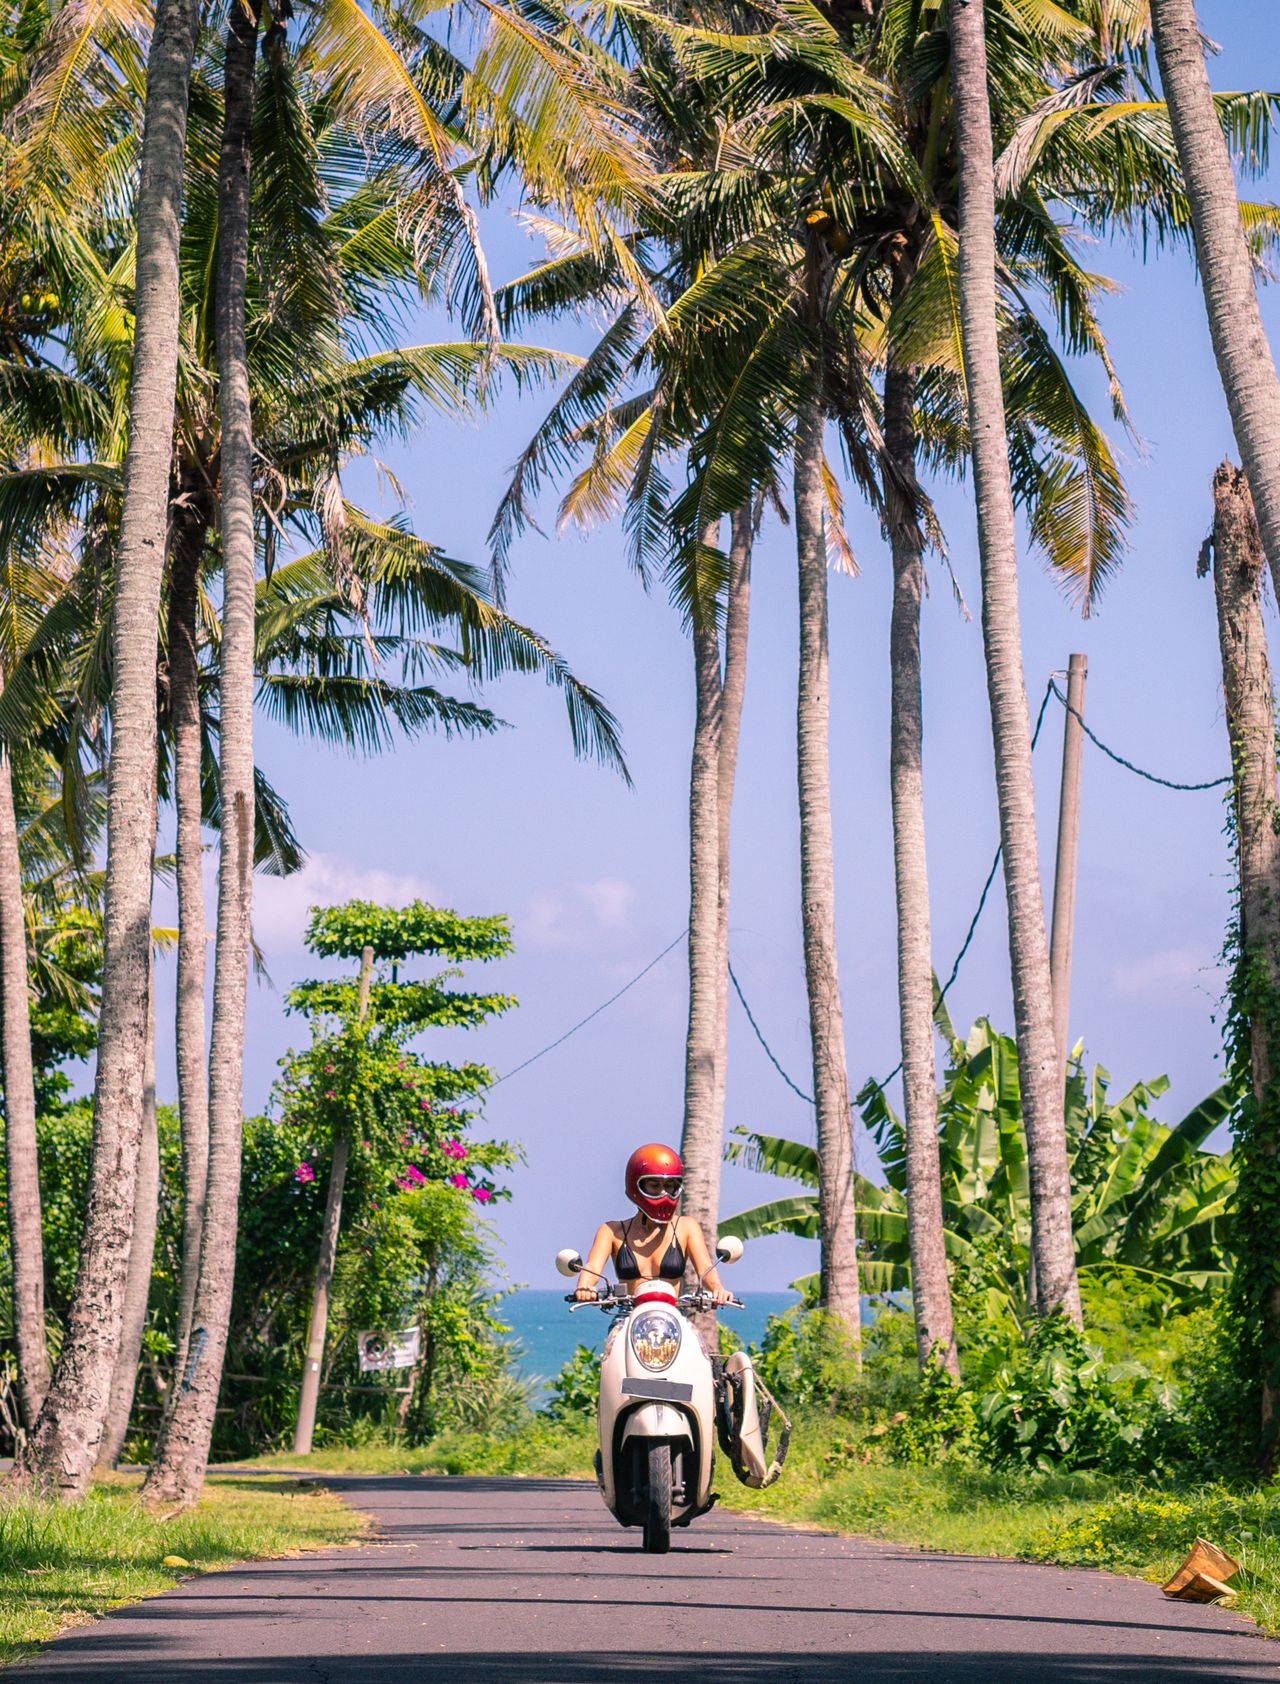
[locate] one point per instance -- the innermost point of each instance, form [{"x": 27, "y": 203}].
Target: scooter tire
[{"x": 657, "y": 1524}]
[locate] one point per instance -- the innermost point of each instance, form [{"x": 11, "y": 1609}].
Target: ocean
[{"x": 545, "y": 1330}]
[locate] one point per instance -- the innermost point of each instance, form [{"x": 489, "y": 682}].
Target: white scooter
[{"x": 662, "y": 1403}]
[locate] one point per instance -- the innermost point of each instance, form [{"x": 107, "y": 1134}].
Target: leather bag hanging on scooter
[{"x": 745, "y": 1411}]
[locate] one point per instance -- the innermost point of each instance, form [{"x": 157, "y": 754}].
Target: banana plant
[{"x": 1148, "y": 1201}]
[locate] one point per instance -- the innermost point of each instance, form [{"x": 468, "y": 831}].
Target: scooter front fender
[{"x": 657, "y": 1420}]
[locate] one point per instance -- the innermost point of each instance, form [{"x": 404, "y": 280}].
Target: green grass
[
  {"x": 63, "y": 1565},
  {"x": 1082, "y": 1520},
  {"x": 540, "y": 1449}
]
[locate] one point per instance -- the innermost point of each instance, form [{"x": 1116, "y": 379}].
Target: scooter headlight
[{"x": 655, "y": 1338}]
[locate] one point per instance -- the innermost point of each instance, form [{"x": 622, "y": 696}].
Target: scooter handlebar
[
  {"x": 599, "y": 1295},
  {"x": 608, "y": 1298}
]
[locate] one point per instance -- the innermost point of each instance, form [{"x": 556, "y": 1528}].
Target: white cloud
[
  {"x": 576, "y": 914},
  {"x": 1168, "y": 972},
  {"x": 281, "y": 904}
]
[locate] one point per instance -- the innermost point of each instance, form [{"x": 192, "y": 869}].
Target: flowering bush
[{"x": 412, "y": 1248}]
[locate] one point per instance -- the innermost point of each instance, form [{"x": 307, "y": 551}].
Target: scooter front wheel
[{"x": 657, "y": 1523}]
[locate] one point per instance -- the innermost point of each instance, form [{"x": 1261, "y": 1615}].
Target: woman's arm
[
  {"x": 593, "y": 1269},
  {"x": 703, "y": 1263}
]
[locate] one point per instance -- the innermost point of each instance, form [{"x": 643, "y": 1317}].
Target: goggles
[{"x": 660, "y": 1186}]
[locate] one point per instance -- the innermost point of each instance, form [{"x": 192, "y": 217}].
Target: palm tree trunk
[
  {"x": 193, "y": 1079},
  {"x": 330, "y": 1233},
  {"x": 700, "y": 1144},
  {"x": 1246, "y": 366},
  {"x": 1042, "y": 1098},
  {"x": 183, "y": 1452},
  {"x": 137, "y": 1286},
  {"x": 62, "y": 1450},
  {"x": 732, "y": 695},
  {"x": 26, "y": 1247},
  {"x": 839, "y": 1264},
  {"x": 930, "y": 1283},
  {"x": 1251, "y": 713}
]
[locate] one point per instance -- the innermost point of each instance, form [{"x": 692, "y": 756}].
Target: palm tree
[
  {"x": 39, "y": 411},
  {"x": 1056, "y": 1287},
  {"x": 191, "y": 525},
  {"x": 137, "y": 1286},
  {"x": 838, "y": 1285},
  {"x": 63, "y": 1447},
  {"x": 29, "y": 586},
  {"x": 931, "y": 1287},
  {"x": 1246, "y": 365},
  {"x": 21, "y": 1166},
  {"x": 1235, "y": 554},
  {"x": 626, "y": 406},
  {"x": 177, "y": 1471}
]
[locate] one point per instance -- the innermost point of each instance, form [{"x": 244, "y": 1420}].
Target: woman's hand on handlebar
[
  {"x": 586, "y": 1294},
  {"x": 720, "y": 1296}
]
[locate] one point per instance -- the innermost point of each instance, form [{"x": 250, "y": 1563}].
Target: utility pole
[
  {"x": 309, "y": 1395},
  {"x": 1064, "y": 877}
]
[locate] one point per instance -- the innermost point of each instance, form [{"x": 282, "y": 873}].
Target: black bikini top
[{"x": 670, "y": 1269}]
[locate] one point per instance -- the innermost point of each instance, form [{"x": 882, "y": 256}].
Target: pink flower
[
  {"x": 329, "y": 1067},
  {"x": 367, "y": 1144},
  {"x": 404, "y": 1139},
  {"x": 484, "y": 1194},
  {"x": 458, "y": 1180},
  {"x": 416, "y": 1176},
  {"x": 304, "y": 1173},
  {"x": 328, "y": 1093},
  {"x": 424, "y": 1104},
  {"x": 454, "y": 1149}
]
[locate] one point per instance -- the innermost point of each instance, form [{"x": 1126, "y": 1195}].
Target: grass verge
[
  {"x": 1072, "y": 1520},
  {"x": 63, "y": 1565}
]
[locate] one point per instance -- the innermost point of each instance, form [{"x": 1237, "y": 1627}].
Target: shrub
[
  {"x": 807, "y": 1358},
  {"x": 941, "y": 1423},
  {"x": 575, "y": 1389},
  {"x": 1058, "y": 1404}
]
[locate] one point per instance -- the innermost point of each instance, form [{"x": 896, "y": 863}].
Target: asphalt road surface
[{"x": 503, "y": 1581}]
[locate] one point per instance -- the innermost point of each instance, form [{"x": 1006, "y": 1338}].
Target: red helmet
[{"x": 654, "y": 1179}]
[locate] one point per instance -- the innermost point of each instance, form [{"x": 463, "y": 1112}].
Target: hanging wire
[
  {"x": 1051, "y": 689},
  {"x": 583, "y": 1022},
  {"x": 1165, "y": 783},
  {"x": 768, "y": 1050}
]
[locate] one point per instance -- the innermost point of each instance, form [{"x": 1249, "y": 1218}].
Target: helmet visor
[{"x": 661, "y": 1186}]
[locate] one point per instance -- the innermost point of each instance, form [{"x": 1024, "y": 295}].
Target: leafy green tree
[{"x": 359, "y": 1075}]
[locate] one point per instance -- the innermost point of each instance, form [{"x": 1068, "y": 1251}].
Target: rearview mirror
[
  {"x": 570, "y": 1263},
  {"x": 728, "y": 1248}
]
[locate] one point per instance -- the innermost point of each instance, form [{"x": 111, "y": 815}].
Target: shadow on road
[{"x": 867, "y": 1667}]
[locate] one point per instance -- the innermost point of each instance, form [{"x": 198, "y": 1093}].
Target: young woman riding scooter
[{"x": 655, "y": 1244}]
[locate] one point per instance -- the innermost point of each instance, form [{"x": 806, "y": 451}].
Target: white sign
[{"x": 380, "y": 1351}]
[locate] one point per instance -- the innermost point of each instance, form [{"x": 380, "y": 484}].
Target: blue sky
[{"x": 594, "y": 875}]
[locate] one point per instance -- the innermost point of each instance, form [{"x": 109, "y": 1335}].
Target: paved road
[{"x": 485, "y": 1581}]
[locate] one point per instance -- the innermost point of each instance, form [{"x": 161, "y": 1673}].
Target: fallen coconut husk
[{"x": 1202, "y": 1576}]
